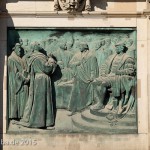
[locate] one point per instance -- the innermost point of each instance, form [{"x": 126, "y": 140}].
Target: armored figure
[{"x": 117, "y": 74}]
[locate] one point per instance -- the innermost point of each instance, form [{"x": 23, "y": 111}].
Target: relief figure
[
  {"x": 117, "y": 74},
  {"x": 24, "y": 44},
  {"x": 88, "y": 74},
  {"x": 50, "y": 44},
  {"x": 39, "y": 112},
  {"x": 105, "y": 51},
  {"x": 27, "y": 56},
  {"x": 63, "y": 56},
  {"x": 85, "y": 68},
  {"x": 99, "y": 51},
  {"x": 131, "y": 47},
  {"x": 63, "y": 85},
  {"x": 17, "y": 82}
]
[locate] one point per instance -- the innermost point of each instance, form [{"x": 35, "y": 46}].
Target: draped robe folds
[
  {"x": 18, "y": 92},
  {"x": 39, "y": 108},
  {"x": 102, "y": 54},
  {"x": 64, "y": 56},
  {"x": 83, "y": 92},
  {"x": 63, "y": 90}
]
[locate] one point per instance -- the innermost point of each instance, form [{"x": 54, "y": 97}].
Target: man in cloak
[
  {"x": 39, "y": 111},
  {"x": 85, "y": 68},
  {"x": 17, "y": 83}
]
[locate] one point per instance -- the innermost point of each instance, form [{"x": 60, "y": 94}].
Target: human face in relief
[
  {"x": 18, "y": 50},
  {"x": 63, "y": 46},
  {"x": 81, "y": 48},
  {"x": 37, "y": 47},
  {"x": 119, "y": 49},
  {"x": 108, "y": 41}
]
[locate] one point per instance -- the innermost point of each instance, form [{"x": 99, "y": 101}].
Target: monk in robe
[{"x": 39, "y": 112}]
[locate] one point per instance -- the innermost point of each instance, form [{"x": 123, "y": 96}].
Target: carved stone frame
[{"x": 141, "y": 139}]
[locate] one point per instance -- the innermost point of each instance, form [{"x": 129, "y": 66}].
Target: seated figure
[{"x": 118, "y": 75}]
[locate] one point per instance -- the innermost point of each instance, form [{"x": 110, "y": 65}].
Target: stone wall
[{"x": 97, "y": 5}]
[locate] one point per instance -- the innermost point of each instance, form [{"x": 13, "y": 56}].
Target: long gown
[
  {"x": 39, "y": 108},
  {"x": 83, "y": 91},
  {"x": 17, "y": 90}
]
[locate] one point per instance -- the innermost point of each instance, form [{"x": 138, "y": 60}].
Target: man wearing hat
[{"x": 117, "y": 73}]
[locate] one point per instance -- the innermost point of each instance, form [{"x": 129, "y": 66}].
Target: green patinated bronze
[{"x": 86, "y": 70}]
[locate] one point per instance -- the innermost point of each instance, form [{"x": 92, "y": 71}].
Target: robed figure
[
  {"x": 85, "y": 68},
  {"x": 63, "y": 57},
  {"x": 39, "y": 112},
  {"x": 17, "y": 82},
  {"x": 62, "y": 75}
]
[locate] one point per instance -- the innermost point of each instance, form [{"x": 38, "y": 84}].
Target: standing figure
[
  {"x": 27, "y": 56},
  {"x": 24, "y": 44},
  {"x": 105, "y": 51},
  {"x": 39, "y": 111},
  {"x": 85, "y": 68},
  {"x": 98, "y": 49},
  {"x": 50, "y": 44},
  {"x": 18, "y": 91},
  {"x": 131, "y": 47},
  {"x": 63, "y": 75},
  {"x": 63, "y": 56}
]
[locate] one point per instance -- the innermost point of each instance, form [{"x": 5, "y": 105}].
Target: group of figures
[{"x": 100, "y": 78}]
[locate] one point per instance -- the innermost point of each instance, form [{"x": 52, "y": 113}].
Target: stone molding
[{"x": 63, "y": 14}]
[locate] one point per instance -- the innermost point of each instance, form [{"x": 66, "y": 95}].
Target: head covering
[{"x": 17, "y": 44}]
